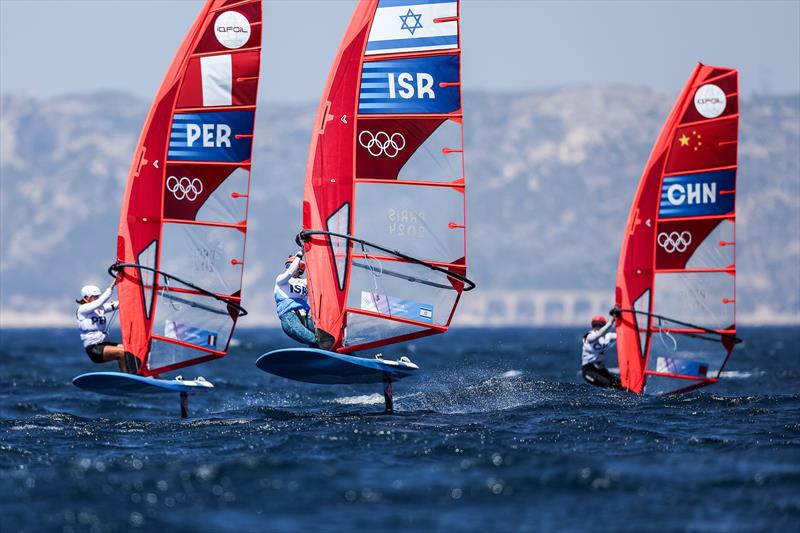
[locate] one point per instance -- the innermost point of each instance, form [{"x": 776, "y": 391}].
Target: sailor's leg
[
  {"x": 294, "y": 328},
  {"x": 613, "y": 381},
  {"x": 597, "y": 376},
  {"x": 309, "y": 325},
  {"x": 588, "y": 375},
  {"x": 116, "y": 352}
]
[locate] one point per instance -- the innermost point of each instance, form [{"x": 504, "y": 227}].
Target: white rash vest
[
  {"x": 92, "y": 318},
  {"x": 595, "y": 344},
  {"x": 291, "y": 293}
]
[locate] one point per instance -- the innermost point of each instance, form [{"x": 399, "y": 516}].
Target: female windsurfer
[
  {"x": 92, "y": 308},
  {"x": 595, "y": 343},
  {"x": 291, "y": 301}
]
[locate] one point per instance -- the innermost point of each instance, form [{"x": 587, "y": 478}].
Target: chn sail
[
  {"x": 676, "y": 280},
  {"x": 384, "y": 203},
  {"x": 184, "y": 217}
]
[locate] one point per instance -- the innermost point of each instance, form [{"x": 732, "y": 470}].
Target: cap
[{"x": 90, "y": 290}]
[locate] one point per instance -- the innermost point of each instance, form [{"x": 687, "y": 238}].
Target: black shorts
[
  {"x": 599, "y": 376},
  {"x": 95, "y": 351}
]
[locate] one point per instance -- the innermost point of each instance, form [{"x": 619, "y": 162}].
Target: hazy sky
[{"x": 50, "y": 47}]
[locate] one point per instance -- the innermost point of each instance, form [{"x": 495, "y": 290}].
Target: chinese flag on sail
[{"x": 703, "y": 146}]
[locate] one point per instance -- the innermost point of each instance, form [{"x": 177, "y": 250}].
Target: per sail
[
  {"x": 384, "y": 202},
  {"x": 184, "y": 217},
  {"x": 676, "y": 280}
]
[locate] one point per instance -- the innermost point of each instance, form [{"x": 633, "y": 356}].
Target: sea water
[{"x": 497, "y": 433}]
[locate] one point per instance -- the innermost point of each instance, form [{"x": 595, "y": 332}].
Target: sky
[{"x": 54, "y": 47}]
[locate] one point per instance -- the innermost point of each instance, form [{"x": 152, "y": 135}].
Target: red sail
[
  {"x": 676, "y": 279},
  {"x": 184, "y": 216},
  {"x": 384, "y": 192}
]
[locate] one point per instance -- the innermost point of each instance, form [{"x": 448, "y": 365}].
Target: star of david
[{"x": 415, "y": 22}]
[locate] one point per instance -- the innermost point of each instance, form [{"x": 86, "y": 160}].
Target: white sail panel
[
  {"x": 203, "y": 255},
  {"x": 189, "y": 318},
  {"x": 165, "y": 354},
  {"x": 425, "y": 222},
  {"x": 704, "y": 299},
  {"x": 717, "y": 250},
  {"x": 228, "y": 202},
  {"x": 439, "y": 158},
  {"x": 363, "y": 329},
  {"x": 403, "y": 290}
]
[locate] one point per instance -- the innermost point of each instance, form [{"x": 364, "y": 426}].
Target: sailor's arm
[
  {"x": 101, "y": 300},
  {"x": 282, "y": 278},
  {"x": 594, "y": 335}
]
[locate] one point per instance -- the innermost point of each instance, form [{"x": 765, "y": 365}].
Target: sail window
[
  {"x": 422, "y": 221},
  {"x": 642, "y": 304},
  {"x": 363, "y": 328},
  {"x": 147, "y": 257},
  {"x": 439, "y": 158},
  {"x": 203, "y": 255},
  {"x": 695, "y": 297},
  {"x": 339, "y": 222}
]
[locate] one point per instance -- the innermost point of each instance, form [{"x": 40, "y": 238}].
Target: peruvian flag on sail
[{"x": 220, "y": 80}]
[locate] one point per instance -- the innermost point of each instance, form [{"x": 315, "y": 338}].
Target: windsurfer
[
  {"x": 291, "y": 301},
  {"x": 93, "y": 322},
  {"x": 595, "y": 343}
]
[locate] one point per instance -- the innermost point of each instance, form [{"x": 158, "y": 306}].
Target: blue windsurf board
[
  {"x": 313, "y": 365},
  {"x": 118, "y": 383}
]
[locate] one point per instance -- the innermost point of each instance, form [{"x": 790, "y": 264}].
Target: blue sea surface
[{"x": 497, "y": 433}]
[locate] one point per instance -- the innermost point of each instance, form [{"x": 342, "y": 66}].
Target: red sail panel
[
  {"x": 677, "y": 268},
  {"x": 386, "y": 167},
  {"x": 185, "y": 208}
]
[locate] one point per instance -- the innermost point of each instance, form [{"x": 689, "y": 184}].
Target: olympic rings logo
[
  {"x": 674, "y": 241},
  {"x": 382, "y": 143},
  {"x": 186, "y": 188}
]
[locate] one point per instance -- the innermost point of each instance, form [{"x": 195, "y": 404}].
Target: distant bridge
[{"x": 533, "y": 307}]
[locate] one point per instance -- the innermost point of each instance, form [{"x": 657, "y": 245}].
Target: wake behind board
[
  {"x": 313, "y": 365},
  {"x": 119, "y": 384}
]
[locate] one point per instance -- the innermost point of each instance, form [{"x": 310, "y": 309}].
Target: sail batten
[{"x": 703, "y": 169}]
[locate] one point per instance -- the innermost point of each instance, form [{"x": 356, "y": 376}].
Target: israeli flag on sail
[{"x": 408, "y": 26}]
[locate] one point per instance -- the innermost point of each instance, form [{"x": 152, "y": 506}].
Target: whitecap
[
  {"x": 735, "y": 374},
  {"x": 364, "y": 399},
  {"x": 28, "y": 427}
]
